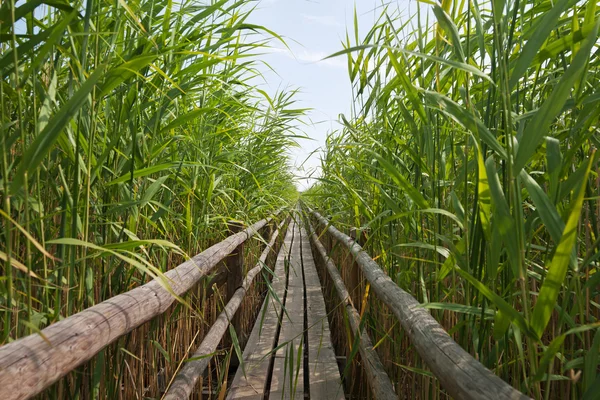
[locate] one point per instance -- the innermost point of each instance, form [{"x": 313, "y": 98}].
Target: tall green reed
[
  {"x": 131, "y": 132},
  {"x": 470, "y": 161}
]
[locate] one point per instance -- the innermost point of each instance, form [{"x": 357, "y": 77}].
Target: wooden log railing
[
  {"x": 235, "y": 268},
  {"x": 379, "y": 382},
  {"x": 460, "y": 374},
  {"x": 185, "y": 380},
  {"x": 31, "y": 364}
]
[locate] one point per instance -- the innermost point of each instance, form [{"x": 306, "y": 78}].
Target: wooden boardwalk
[{"x": 289, "y": 354}]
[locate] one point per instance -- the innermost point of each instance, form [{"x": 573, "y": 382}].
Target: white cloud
[
  {"x": 325, "y": 20},
  {"x": 319, "y": 57},
  {"x": 312, "y": 57}
]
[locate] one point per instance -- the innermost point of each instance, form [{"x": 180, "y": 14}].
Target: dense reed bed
[
  {"x": 470, "y": 165},
  {"x": 131, "y": 133}
]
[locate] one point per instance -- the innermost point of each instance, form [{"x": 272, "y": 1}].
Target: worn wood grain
[
  {"x": 287, "y": 380},
  {"x": 379, "y": 381},
  {"x": 30, "y": 364},
  {"x": 251, "y": 381},
  {"x": 323, "y": 373},
  {"x": 185, "y": 381},
  {"x": 288, "y": 375},
  {"x": 460, "y": 374}
]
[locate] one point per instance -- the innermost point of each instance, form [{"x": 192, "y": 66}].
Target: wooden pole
[
  {"x": 31, "y": 364},
  {"x": 379, "y": 381},
  {"x": 458, "y": 372},
  {"x": 234, "y": 264}
]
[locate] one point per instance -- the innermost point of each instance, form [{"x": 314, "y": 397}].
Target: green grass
[
  {"x": 131, "y": 133},
  {"x": 470, "y": 162}
]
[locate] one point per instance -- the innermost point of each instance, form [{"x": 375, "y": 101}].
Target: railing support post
[
  {"x": 355, "y": 277},
  {"x": 235, "y": 269}
]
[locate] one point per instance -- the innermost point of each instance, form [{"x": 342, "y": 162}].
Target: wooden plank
[
  {"x": 31, "y": 364},
  {"x": 324, "y": 375},
  {"x": 319, "y": 335},
  {"x": 287, "y": 379},
  {"x": 295, "y": 263},
  {"x": 257, "y": 353},
  {"x": 262, "y": 338},
  {"x": 292, "y": 324},
  {"x": 252, "y": 387},
  {"x": 379, "y": 382},
  {"x": 185, "y": 381},
  {"x": 323, "y": 384},
  {"x": 458, "y": 372}
]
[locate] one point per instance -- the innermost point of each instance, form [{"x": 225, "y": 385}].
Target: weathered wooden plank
[
  {"x": 258, "y": 350},
  {"x": 252, "y": 386},
  {"x": 459, "y": 373},
  {"x": 288, "y": 374},
  {"x": 319, "y": 335},
  {"x": 257, "y": 358},
  {"x": 30, "y": 364},
  {"x": 185, "y": 381},
  {"x": 287, "y": 379},
  {"x": 379, "y": 382},
  {"x": 263, "y": 336},
  {"x": 295, "y": 263},
  {"x": 323, "y": 385},
  {"x": 324, "y": 375},
  {"x": 292, "y": 323}
]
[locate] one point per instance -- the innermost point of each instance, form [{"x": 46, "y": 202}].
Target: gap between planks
[{"x": 288, "y": 368}]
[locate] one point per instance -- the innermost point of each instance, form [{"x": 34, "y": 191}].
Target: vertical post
[
  {"x": 235, "y": 269},
  {"x": 354, "y": 278},
  {"x": 273, "y": 254},
  {"x": 268, "y": 229}
]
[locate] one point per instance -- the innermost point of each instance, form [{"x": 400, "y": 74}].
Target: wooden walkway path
[{"x": 289, "y": 354}]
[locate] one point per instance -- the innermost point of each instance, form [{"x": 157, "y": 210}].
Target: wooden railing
[
  {"x": 460, "y": 374},
  {"x": 379, "y": 382},
  {"x": 185, "y": 380},
  {"x": 31, "y": 364}
]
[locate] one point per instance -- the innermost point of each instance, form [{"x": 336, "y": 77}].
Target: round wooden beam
[
  {"x": 31, "y": 364},
  {"x": 460, "y": 374}
]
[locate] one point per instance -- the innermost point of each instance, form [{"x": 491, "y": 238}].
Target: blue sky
[{"x": 314, "y": 29}]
